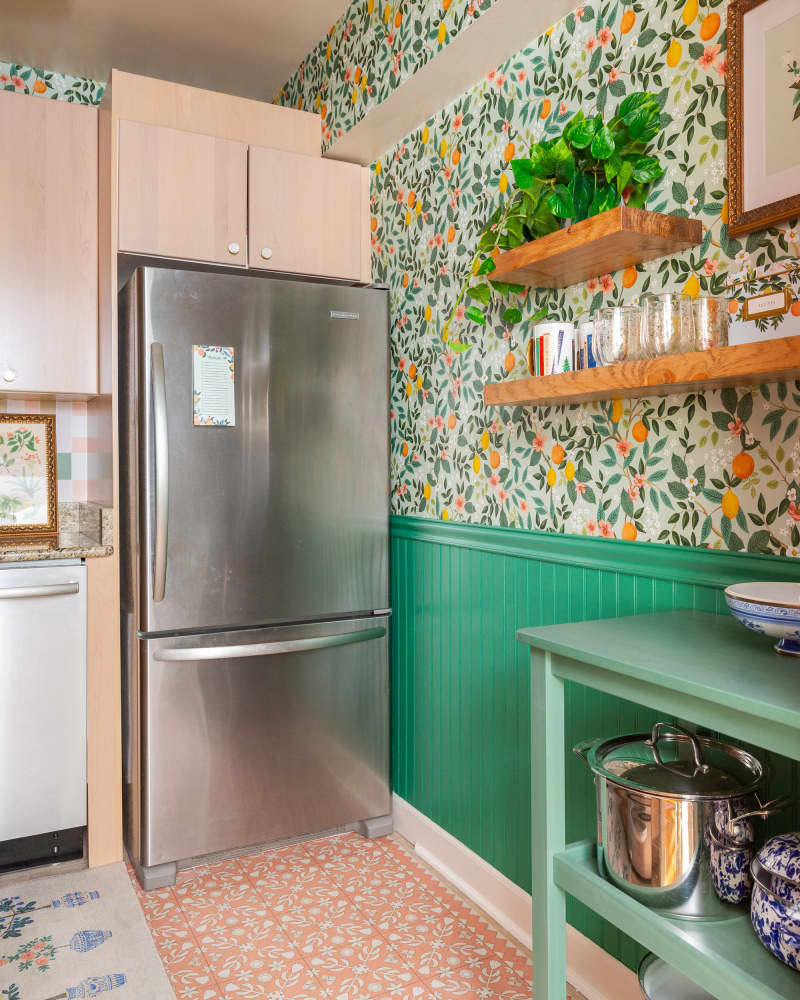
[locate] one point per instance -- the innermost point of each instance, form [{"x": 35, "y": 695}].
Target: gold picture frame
[
  {"x": 28, "y": 478},
  {"x": 742, "y": 219}
]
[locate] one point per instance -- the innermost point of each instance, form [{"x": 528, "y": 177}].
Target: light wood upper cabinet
[
  {"x": 307, "y": 215},
  {"x": 48, "y": 250},
  {"x": 182, "y": 194}
]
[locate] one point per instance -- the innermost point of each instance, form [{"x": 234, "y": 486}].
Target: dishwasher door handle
[
  {"x": 44, "y": 590},
  {"x": 268, "y": 648}
]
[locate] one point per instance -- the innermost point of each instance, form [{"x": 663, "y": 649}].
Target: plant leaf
[
  {"x": 646, "y": 169},
  {"x": 624, "y": 175},
  {"x": 605, "y": 197},
  {"x": 523, "y": 173},
  {"x": 603, "y": 143},
  {"x": 612, "y": 166},
  {"x": 560, "y": 202},
  {"x": 475, "y": 314},
  {"x": 481, "y": 293},
  {"x": 632, "y": 104},
  {"x": 582, "y": 190},
  {"x": 507, "y": 287},
  {"x": 487, "y": 266},
  {"x": 512, "y": 315},
  {"x": 638, "y": 196},
  {"x": 563, "y": 161}
]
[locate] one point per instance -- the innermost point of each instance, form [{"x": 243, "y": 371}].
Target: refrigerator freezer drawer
[
  {"x": 42, "y": 699},
  {"x": 259, "y": 735}
]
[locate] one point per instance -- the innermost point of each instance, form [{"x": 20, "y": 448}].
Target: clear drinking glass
[
  {"x": 617, "y": 335},
  {"x": 667, "y": 325},
  {"x": 711, "y": 318}
]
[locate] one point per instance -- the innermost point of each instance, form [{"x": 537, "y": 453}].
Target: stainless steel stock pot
[{"x": 659, "y": 798}]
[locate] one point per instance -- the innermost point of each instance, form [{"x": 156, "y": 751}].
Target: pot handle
[
  {"x": 655, "y": 736},
  {"x": 767, "y": 809},
  {"x": 582, "y": 749}
]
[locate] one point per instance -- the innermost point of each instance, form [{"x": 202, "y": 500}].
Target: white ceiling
[{"x": 244, "y": 47}]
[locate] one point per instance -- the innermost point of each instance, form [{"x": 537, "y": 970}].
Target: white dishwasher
[{"x": 43, "y": 654}]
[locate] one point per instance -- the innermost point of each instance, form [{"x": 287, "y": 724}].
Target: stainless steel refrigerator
[{"x": 254, "y": 562}]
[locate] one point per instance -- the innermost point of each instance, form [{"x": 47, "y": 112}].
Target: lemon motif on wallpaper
[{"x": 717, "y": 469}]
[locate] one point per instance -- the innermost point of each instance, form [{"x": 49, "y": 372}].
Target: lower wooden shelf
[
  {"x": 769, "y": 360},
  {"x": 724, "y": 957}
]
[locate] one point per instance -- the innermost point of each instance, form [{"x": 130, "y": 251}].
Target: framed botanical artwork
[
  {"x": 28, "y": 483},
  {"x": 763, "y": 113}
]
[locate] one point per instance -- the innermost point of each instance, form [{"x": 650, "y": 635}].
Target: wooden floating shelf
[
  {"x": 766, "y": 361},
  {"x": 607, "y": 242}
]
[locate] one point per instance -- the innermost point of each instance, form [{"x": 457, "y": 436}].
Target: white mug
[{"x": 552, "y": 349}]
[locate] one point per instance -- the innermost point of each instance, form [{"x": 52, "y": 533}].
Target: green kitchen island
[{"x": 702, "y": 667}]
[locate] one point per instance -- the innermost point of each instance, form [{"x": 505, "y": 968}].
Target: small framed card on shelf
[{"x": 28, "y": 480}]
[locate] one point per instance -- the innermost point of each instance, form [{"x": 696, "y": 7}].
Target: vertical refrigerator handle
[{"x": 161, "y": 486}]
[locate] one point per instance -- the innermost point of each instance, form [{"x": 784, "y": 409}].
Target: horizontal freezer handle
[
  {"x": 269, "y": 648},
  {"x": 44, "y": 590}
]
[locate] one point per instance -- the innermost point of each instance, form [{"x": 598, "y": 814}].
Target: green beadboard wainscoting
[{"x": 461, "y": 691}]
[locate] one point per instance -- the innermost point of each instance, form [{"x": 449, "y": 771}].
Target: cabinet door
[
  {"x": 48, "y": 250},
  {"x": 306, "y": 214},
  {"x": 182, "y": 194}
]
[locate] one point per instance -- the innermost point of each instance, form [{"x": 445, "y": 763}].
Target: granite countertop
[{"x": 85, "y": 530}]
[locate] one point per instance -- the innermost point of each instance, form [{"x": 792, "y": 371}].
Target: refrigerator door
[
  {"x": 284, "y": 516},
  {"x": 254, "y": 736}
]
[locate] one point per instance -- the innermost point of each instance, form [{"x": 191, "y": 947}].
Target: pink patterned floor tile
[
  {"x": 294, "y": 982},
  {"x": 340, "y": 918},
  {"x": 330, "y": 919},
  {"x": 359, "y": 968},
  {"x": 479, "y": 980},
  {"x": 403, "y": 905},
  {"x": 283, "y": 866},
  {"x": 187, "y": 970},
  {"x": 440, "y": 947},
  {"x": 220, "y": 870},
  {"x": 178, "y": 948}
]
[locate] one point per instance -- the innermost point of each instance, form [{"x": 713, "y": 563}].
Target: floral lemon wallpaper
[
  {"x": 716, "y": 469},
  {"x": 44, "y": 83},
  {"x": 373, "y": 48}
]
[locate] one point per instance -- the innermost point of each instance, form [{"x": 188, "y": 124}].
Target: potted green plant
[{"x": 591, "y": 167}]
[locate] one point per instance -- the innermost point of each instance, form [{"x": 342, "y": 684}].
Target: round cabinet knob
[
  {"x": 233, "y": 248},
  {"x": 9, "y": 374},
  {"x": 266, "y": 253}
]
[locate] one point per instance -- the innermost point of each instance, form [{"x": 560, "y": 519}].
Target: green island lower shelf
[{"x": 724, "y": 957}]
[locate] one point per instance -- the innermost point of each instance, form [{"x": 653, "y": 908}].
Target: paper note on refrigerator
[{"x": 213, "y": 386}]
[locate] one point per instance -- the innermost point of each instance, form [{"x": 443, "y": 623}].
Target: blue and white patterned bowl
[
  {"x": 775, "y": 904},
  {"x": 769, "y": 608}
]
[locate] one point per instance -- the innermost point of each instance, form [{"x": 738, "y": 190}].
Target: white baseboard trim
[{"x": 590, "y": 969}]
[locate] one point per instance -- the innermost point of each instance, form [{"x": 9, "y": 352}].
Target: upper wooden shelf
[
  {"x": 766, "y": 361},
  {"x": 605, "y": 243}
]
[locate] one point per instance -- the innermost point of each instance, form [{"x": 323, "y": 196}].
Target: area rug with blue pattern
[{"x": 77, "y": 935}]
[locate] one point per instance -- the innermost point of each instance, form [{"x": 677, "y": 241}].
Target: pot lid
[
  {"x": 674, "y": 762},
  {"x": 781, "y": 856}
]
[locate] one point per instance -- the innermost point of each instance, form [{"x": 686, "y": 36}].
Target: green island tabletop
[{"x": 706, "y": 669}]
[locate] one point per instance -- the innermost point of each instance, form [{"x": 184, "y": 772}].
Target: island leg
[{"x": 548, "y": 828}]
